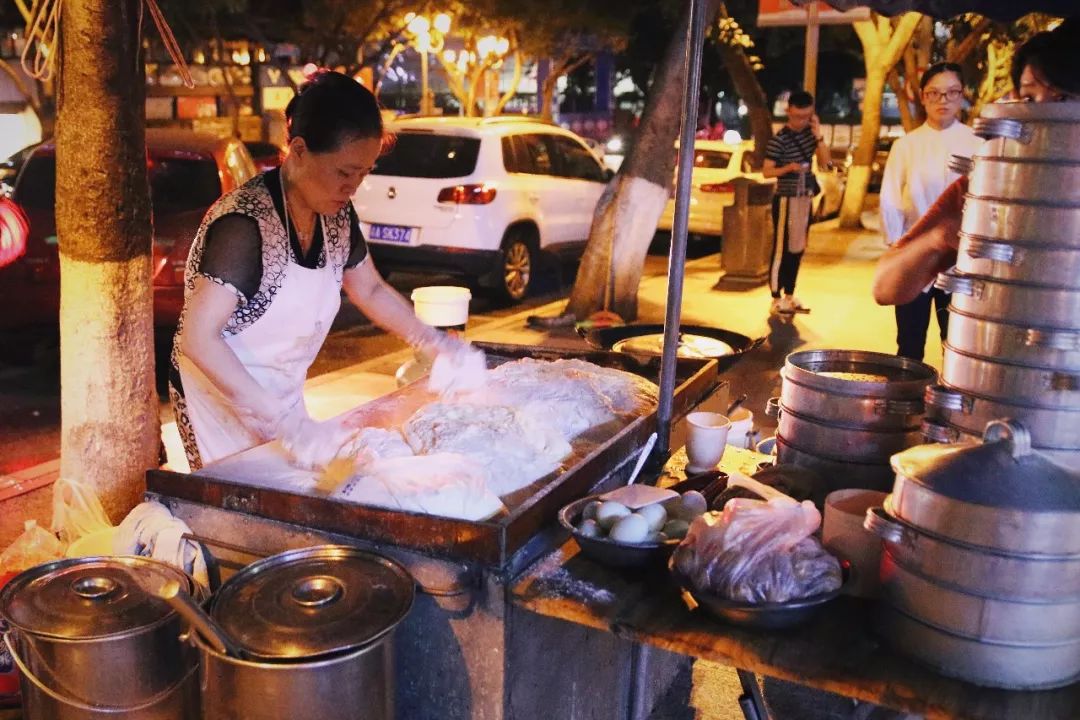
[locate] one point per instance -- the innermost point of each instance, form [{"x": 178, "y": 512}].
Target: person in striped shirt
[{"x": 788, "y": 157}]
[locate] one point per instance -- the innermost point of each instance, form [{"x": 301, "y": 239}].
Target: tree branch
[
  {"x": 959, "y": 52},
  {"x": 900, "y": 38}
]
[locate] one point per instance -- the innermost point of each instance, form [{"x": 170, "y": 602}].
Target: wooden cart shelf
[{"x": 836, "y": 651}]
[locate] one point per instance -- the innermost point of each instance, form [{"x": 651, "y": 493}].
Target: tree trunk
[
  {"x": 900, "y": 87},
  {"x": 109, "y": 427},
  {"x": 882, "y": 46},
  {"x": 547, "y": 98},
  {"x": 625, "y": 218},
  {"x": 750, "y": 91}
]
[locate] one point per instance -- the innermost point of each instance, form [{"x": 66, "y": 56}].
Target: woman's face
[
  {"x": 327, "y": 180},
  {"x": 942, "y": 97},
  {"x": 1035, "y": 89}
]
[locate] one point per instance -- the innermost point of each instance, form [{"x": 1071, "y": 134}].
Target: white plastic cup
[
  {"x": 442, "y": 306},
  {"x": 843, "y": 535},
  {"x": 742, "y": 433},
  {"x": 706, "y": 438}
]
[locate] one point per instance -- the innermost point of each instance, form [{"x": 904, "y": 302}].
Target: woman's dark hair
[
  {"x": 938, "y": 68},
  {"x": 1051, "y": 55},
  {"x": 801, "y": 99},
  {"x": 332, "y": 109}
]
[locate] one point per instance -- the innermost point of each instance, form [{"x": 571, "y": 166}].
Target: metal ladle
[{"x": 171, "y": 592}]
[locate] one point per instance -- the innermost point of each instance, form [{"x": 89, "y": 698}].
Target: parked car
[
  {"x": 187, "y": 173},
  {"x": 484, "y": 198},
  {"x": 716, "y": 165},
  {"x": 266, "y": 155}
]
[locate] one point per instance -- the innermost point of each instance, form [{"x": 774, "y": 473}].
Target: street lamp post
[{"x": 427, "y": 37}]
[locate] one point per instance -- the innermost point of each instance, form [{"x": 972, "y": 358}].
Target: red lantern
[{"x": 14, "y": 229}]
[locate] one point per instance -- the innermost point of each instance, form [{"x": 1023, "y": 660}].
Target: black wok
[{"x": 607, "y": 338}]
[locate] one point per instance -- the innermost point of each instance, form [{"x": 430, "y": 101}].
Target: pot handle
[
  {"x": 960, "y": 164},
  {"x": 1053, "y": 339},
  {"x": 91, "y": 709},
  {"x": 1012, "y": 432},
  {"x": 952, "y": 283},
  {"x": 990, "y": 128},
  {"x": 899, "y": 407},
  {"x": 946, "y": 398},
  {"x": 938, "y": 433},
  {"x": 987, "y": 250},
  {"x": 882, "y": 524},
  {"x": 772, "y": 407}
]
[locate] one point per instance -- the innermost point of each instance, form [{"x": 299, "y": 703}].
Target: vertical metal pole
[
  {"x": 810, "y": 63},
  {"x": 425, "y": 104},
  {"x": 677, "y": 257}
]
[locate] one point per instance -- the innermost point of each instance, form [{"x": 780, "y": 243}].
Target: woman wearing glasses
[{"x": 916, "y": 173}]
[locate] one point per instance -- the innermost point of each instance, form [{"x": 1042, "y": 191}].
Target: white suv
[{"x": 486, "y": 198}]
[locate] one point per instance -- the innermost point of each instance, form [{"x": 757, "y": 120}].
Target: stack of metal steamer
[{"x": 1013, "y": 348}]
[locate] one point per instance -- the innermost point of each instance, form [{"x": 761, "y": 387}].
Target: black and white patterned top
[{"x": 789, "y": 146}]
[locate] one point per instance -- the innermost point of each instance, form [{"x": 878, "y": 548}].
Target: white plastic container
[{"x": 442, "y": 306}]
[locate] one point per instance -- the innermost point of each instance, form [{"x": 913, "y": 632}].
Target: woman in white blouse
[{"x": 916, "y": 173}]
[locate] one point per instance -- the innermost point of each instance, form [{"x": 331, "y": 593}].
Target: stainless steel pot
[
  {"x": 1049, "y": 428},
  {"x": 1020, "y": 577},
  {"x": 840, "y": 399},
  {"x": 1043, "y": 265},
  {"x": 936, "y": 430},
  {"x": 843, "y": 444},
  {"x": 986, "y": 618},
  {"x": 1051, "y": 183},
  {"x": 1018, "y": 344},
  {"x": 1037, "y": 387},
  {"x": 316, "y": 626},
  {"x": 838, "y": 475},
  {"x": 1024, "y": 130},
  {"x": 1011, "y": 302},
  {"x": 93, "y": 643},
  {"x": 1014, "y": 666},
  {"x": 1001, "y": 496},
  {"x": 1025, "y": 223}
]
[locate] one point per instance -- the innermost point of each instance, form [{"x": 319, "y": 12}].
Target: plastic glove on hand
[
  {"x": 462, "y": 369},
  {"x": 312, "y": 444}
]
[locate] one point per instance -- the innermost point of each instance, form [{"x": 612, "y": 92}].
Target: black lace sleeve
[
  {"x": 357, "y": 244},
  {"x": 232, "y": 254}
]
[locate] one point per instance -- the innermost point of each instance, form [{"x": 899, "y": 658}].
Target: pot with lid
[
  {"x": 993, "y": 529},
  {"x": 315, "y": 627},
  {"x": 93, "y": 640}
]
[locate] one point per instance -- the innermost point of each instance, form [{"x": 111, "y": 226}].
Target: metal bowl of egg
[{"x": 613, "y": 534}]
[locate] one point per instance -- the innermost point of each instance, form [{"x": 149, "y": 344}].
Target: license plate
[{"x": 391, "y": 233}]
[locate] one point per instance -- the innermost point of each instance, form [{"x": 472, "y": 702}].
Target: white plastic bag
[
  {"x": 77, "y": 511},
  {"x": 34, "y": 546},
  {"x": 758, "y": 551}
]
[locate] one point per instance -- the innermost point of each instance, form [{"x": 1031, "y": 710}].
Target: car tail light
[
  {"x": 478, "y": 194},
  {"x": 14, "y": 231},
  {"x": 717, "y": 188}
]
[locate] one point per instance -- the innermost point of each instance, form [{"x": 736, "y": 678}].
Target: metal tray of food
[{"x": 490, "y": 542}]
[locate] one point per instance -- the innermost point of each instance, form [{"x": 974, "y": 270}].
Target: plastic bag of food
[
  {"x": 77, "y": 510},
  {"x": 34, "y": 546},
  {"x": 758, "y": 551}
]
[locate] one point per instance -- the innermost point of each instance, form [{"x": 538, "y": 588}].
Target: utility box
[{"x": 747, "y": 243}]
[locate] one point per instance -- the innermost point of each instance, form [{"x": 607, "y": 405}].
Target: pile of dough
[
  {"x": 515, "y": 448},
  {"x": 444, "y": 484}
]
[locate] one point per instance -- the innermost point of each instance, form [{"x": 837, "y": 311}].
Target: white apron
[{"x": 276, "y": 335}]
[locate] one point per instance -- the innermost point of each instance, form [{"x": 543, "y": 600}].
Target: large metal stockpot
[
  {"x": 1032, "y": 386},
  {"x": 1011, "y": 261},
  {"x": 93, "y": 641},
  {"x": 993, "y": 530},
  {"x": 1012, "y": 302},
  {"x": 316, "y": 624},
  {"x": 1030, "y": 131},
  {"x": 1018, "y": 344}
]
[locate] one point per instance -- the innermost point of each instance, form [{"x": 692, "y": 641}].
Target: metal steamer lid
[
  {"x": 89, "y": 598},
  {"x": 858, "y": 372},
  {"x": 308, "y": 603},
  {"x": 1002, "y": 472}
]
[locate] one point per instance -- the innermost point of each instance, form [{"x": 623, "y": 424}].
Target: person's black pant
[
  {"x": 784, "y": 267},
  {"x": 913, "y": 321}
]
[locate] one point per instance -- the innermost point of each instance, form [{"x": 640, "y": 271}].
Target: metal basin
[
  {"x": 1019, "y": 344},
  {"x": 1026, "y": 223},
  {"x": 1043, "y": 265},
  {"x": 1036, "y": 387},
  {"x": 1052, "y": 183},
  {"x": 1012, "y": 302},
  {"x": 1049, "y": 428}
]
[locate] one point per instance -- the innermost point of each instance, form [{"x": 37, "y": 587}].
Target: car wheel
[{"x": 518, "y": 266}]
